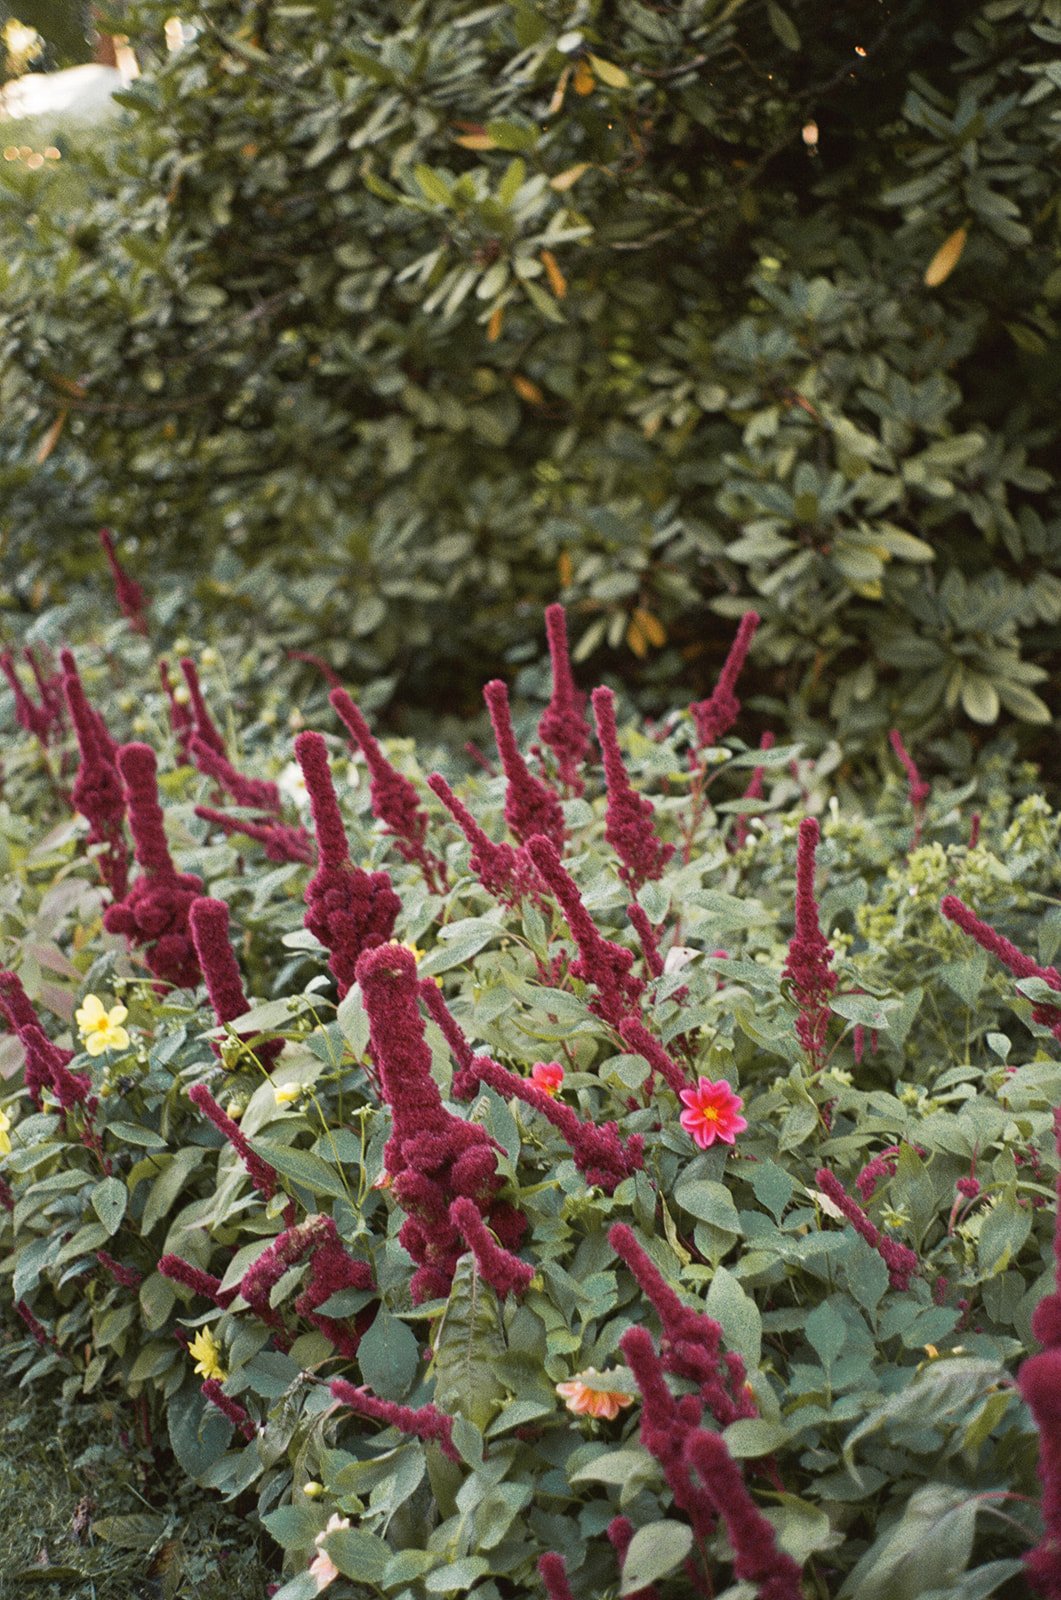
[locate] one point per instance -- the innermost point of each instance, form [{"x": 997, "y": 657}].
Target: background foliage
[
  {"x": 906, "y": 1456},
  {"x": 384, "y": 320}
]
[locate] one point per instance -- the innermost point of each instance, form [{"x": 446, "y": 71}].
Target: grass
[{"x": 65, "y": 1470}]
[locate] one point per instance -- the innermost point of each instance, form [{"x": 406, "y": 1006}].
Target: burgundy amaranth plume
[
  {"x": 35, "y": 719},
  {"x": 206, "y": 729},
  {"x": 395, "y": 802},
  {"x": 504, "y": 1272},
  {"x": 331, "y": 1270},
  {"x": 562, "y": 725},
  {"x": 754, "y": 791},
  {"x": 1039, "y": 1381},
  {"x": 181, "y": 721},
  {"x": 808, "y": 963},
  {"x": 692, "y": 1341},
  {"x": 715, "y": 716},
  {"x": 423, "y": 1422},
  {"x": 1021, "y": 966},
  {"x": 597, "y": 1150},
  {"x": 503, "y": 872},
  {"x": 154, "y": 912},
  {"x": 347, "y": 909},
  {"x": 665, "y": 1427},
  {"x": 132, "y": 601},
  {"x": 327, "y": 672},
  {"x": 600, "y": 962},
  {"x": 197, "y": 1279},
  {"x": 125, "y": 1277},
  {"x": 648, "y": 939},
  {"x": 633, "y": 1032},
  {"x": 230, "y": 1408},
  {"x": 261, "y": 1174},
  {"x": 756, "y": 1557},
  {"x": 531, "y": 807},
  {"x": 900, "y": 1260},
  {"x": 47, "y": 1064},
  {"x": 49, "y": 684},
  {"x": 281, "y": 841},
  {"x": 433, "y": 1157},
  {"x": 257, "y": 794},
  {"x": 98, "y": 793},
  {"x": 552, "y": 1569},
  {"x": 629, "y": 827},
  {"x": 208, "y": 924},
  {"x": 919, "y": 790}
]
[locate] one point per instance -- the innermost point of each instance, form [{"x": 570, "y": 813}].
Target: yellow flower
[
  {"x": 578, "y": 1397},
  {"x": 287, "y": 1094},
  {"x": 5, "y": 1137},
  {"x": 101, "y": 1029},
  {"x": 206, "y": 1350}
]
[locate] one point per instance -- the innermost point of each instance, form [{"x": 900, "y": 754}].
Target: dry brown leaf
[
  {"x": 51, "y": 439},
  {"x": 946, "y": 258}
]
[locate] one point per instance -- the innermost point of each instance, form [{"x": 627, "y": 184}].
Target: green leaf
[
  {"x": 432, "y": 185},
  {"x": 358, "y": 1554},
  {"x": 457, "y": 1575},
  {"x": 389, "y": 1356},
  {"x": 468, "y": 1344},
  {"x": 109, "y": 1200},
  {"x": 783, "y": 26},
  {"x": 755, "y": 1436},
  {"x": 711, "y": 1202},
  {"x": 655, "y": 1550},
  {"x": 736, "y": 1311},
  {"x": 826, "y": 1333},
  {"x": 303, "y": 1167},
  {"x": 929, "y": 1549},
  {"x": 137, "y": 1531}
]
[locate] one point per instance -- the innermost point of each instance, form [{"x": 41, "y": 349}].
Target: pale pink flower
[
  {"x": 713, "y": 1113},
  {"x": 322, "y": 1567}
]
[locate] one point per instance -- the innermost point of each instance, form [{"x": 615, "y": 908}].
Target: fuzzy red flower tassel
[
  {"x": 629, "y": 827},
  {"x": 562, "y": 725},
  {"x": 347, "y": 909},
  {"x": 433, "y": 1157},
  {"x": 395, "y": 801},
  {"x": 808, "y": 963},
  {"x": 531, "y": 807},
  {"x": 154, "y": 912},
  {"x": 208, "y": 923},
  {"x": 715, "y": 716},
  {"x": 132, "y": 601}
]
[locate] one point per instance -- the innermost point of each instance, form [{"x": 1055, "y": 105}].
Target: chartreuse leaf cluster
[{"x": 889, "y": 1446}]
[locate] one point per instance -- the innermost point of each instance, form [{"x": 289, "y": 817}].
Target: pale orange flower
[{"x": 592, "y": 1402}]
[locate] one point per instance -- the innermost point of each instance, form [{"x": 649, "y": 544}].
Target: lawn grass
[{"x": 63, "y": 1471}]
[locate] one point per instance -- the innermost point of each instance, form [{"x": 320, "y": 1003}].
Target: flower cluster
[
  {"x": 434, "y": 1158},
  {"x": 132, "y": 601},
  {"x": 347, "y": 909},
  {"x": 716, "y": 715},
  {"x": 899, "y": 1259},
  {"x": 154, "y": 911},
  {"x": 531, "y": 807},
  {"x": 395, "y": 802},
  {"x": 1021, "y": 966},
  {"x": 208, "y": 922},
  {"x": 97, "y": 793},
  {"x": 562, "y": 725},
  {"x": 600, "y": 962},
  {"x": 504, "y": 873},
  {"x": 628, "y": 825},
  {"x": 808, "y": 963}
]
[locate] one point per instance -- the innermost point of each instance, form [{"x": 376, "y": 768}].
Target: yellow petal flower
[
  {"x": 287, "y": 1094},
  {"x": 207, "y": 1352},
  {"x": 101, "y": 1029},
  {"x": 5, "y": 1137}
]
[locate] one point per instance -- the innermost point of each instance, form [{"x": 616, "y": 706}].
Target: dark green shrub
[
  {"x": 377, "y": 328},
  {"x": 881, "y": 1430}
]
